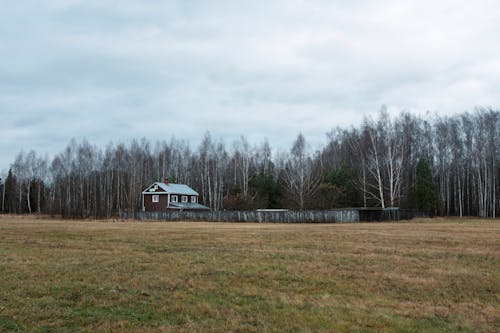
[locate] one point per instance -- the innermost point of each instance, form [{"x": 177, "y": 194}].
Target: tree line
[{"x": 448, "y": 165}]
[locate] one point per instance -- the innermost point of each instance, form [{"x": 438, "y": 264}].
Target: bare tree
[
  {"x": 243, "y": 163},
  {"x": 213, "y": 165},
  {"x": 381, "y": 155},
  {"x": 395, "y": 146},
  {"x": 301, "y": 175},
  {"x": 375, "y": 189}
]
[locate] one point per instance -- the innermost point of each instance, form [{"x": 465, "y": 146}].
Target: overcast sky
[{"x": 116, "y": 70}]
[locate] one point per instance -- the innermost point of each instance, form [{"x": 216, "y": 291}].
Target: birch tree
[
  {"x": 301, "y": 175},
  {"x": 374, "y": 157}
]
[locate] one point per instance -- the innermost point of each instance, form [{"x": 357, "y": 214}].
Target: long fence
[{"x": 280, "y": 216}]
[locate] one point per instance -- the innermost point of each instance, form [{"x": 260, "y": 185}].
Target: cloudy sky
[{"x": 114, "y": 70}]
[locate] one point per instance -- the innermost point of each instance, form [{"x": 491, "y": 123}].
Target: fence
[{"x": 286, "y": 216}]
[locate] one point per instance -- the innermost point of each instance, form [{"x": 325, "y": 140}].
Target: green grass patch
[{"x": 422, "y": 276}]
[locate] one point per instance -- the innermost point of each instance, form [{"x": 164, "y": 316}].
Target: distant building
[{"x": 163, "y": 196}]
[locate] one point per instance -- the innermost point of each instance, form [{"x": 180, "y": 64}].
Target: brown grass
[{"x": 426, "y": 275}]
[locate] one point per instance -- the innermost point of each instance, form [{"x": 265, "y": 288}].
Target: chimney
[{"x": 165, "y": 181}]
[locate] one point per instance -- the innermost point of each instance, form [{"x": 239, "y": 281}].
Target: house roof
[
  {"x": 170, "y": 188},
  {"x": 187, "y": 206}
]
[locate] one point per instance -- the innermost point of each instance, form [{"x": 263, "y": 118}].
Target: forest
[{"x": 448, "y": 165}]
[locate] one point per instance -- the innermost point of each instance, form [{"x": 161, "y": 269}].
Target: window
[
  {"x": 193, "y": 199},
  {"x": 174, "y": 198},
  {"x": 155, "y": 198},
  {"x": 184, "y": 198}
]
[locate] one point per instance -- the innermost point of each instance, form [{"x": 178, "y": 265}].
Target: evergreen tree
[
  {"x": 342, "y": 180},
  {"x": 2, "y": 193},
  {"x": 266, "y": 190},
  {"x": 10, "y": 193},
  {"x": 424, "y": 189}
]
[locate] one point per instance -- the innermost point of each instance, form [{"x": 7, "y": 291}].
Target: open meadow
[{"x": 437, "y": 275}]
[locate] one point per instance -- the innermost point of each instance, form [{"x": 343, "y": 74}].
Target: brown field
[{"x": 438, "y": 275}]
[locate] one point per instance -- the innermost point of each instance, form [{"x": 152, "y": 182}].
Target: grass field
[{"x": 420, "y": 276}]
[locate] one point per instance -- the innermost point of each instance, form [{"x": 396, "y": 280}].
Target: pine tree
[
  {"x": 424, "y": 189},
  {"x": 2, "y": 193},
  {"x": 10, "y": 193},
  {"x": 342, "y": 180}
]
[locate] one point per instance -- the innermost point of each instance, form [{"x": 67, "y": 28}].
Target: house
[{"x": 162, "y": 196}]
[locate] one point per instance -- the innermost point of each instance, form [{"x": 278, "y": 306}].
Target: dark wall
[
  {"x": 151, "y": 206},
  {"x": 161, "y": 206}
]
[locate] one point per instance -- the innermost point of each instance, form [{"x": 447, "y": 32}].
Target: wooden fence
[{"x": 284, "y": 216}]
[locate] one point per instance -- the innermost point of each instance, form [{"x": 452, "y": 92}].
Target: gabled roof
[{"x": 171, "y": 189}]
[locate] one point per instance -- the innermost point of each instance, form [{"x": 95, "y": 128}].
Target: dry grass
[{"x": 427, "y": 275}]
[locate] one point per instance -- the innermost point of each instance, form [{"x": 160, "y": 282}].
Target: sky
[{"x": 109, "y": 70}]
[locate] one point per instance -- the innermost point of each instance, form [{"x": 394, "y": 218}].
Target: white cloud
[{"x": 110, "y": 70}]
